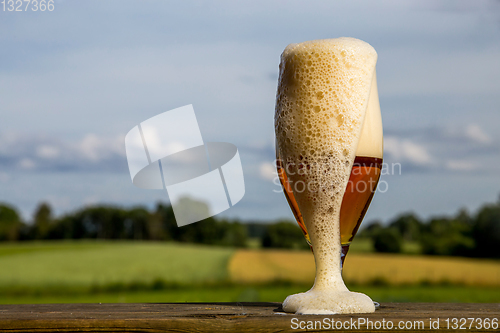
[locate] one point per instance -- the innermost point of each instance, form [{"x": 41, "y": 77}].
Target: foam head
[{"x": 323, "y": 94}]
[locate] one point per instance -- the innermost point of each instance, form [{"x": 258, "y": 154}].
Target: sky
[{"x": 75, "y": 80}]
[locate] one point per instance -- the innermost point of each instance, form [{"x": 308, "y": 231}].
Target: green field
[
  {"x": 90, "y": 264},
  {"x": 263, "y": 293},
  {"x": 109, "y": 272}
]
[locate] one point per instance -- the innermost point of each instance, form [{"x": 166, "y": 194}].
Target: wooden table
[{"x": 239, "y": 317}]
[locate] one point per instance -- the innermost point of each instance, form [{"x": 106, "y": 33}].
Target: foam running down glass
[
  {"x": 329, "y": 157},
  {"x": 363, "y": 179}
]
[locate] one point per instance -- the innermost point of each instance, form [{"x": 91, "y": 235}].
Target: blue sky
[{"x": 75, "y": 80}]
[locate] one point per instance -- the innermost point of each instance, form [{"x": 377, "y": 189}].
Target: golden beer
[{"x": 360, "y": 189}]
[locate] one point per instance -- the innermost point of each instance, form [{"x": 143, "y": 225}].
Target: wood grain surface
[{"x": 236, "y": 317}]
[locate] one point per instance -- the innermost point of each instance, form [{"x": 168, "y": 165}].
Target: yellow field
[
  {"x": 270, "y": 265},
  {"x": 257, "y": 266}
]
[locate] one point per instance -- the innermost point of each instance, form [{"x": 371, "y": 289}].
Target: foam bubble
[{"x": 322, "y": 98}]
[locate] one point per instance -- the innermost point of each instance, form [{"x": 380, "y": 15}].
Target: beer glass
[{"x": 329, "y": 157}]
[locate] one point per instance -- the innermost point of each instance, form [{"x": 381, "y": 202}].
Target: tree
[
  {"x": 155, "y": 227},
  {"x": 486, "y": 231},
  {"x": 370, "y": 230},
  {"x": 447, "y": 236},
  {"x": 10, "y": 223},
  {"x": 408, "y": 225},
  {"x": 235, "y": 234},
  {"x": 42, "y": 221},
  {"x": 387, "y": 240},
  {"x": 284, "y": 234}
]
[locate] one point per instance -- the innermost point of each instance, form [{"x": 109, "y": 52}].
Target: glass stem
[{"x": 343, "y": 253}]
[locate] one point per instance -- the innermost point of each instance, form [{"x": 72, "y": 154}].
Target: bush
[
  {"x": 387, "y": 241},
  {"x": 408, "y": 225},
  {"x": 447, "y": 237},
  {"x": 486, "y": 232},
  {"x": 10, "y": 223},
  {"x": 285, "y": 235}
]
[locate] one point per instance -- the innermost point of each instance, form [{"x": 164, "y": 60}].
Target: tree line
[
  {"x": 463, "y": 234},
  {"x": 110, "y": 222}
]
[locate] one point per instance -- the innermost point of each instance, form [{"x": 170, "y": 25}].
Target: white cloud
[
  {"x": 90, "y": 146},
  {"x": 476, "y": 133},
  {"x": 415, "y": 152},
  {"x": 449, "y": 148},
  {"x": 27, "y": 164},
  {"x": 96, "y": 148},
  {"x": 407, "y": 151},
  {"x": 47, "y": 151},
  {"x": 43, "y": 153},
  {"x": 267, "y": 171}
]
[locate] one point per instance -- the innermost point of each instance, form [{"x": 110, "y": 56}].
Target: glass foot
[{"x": 377, "y": 305}]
